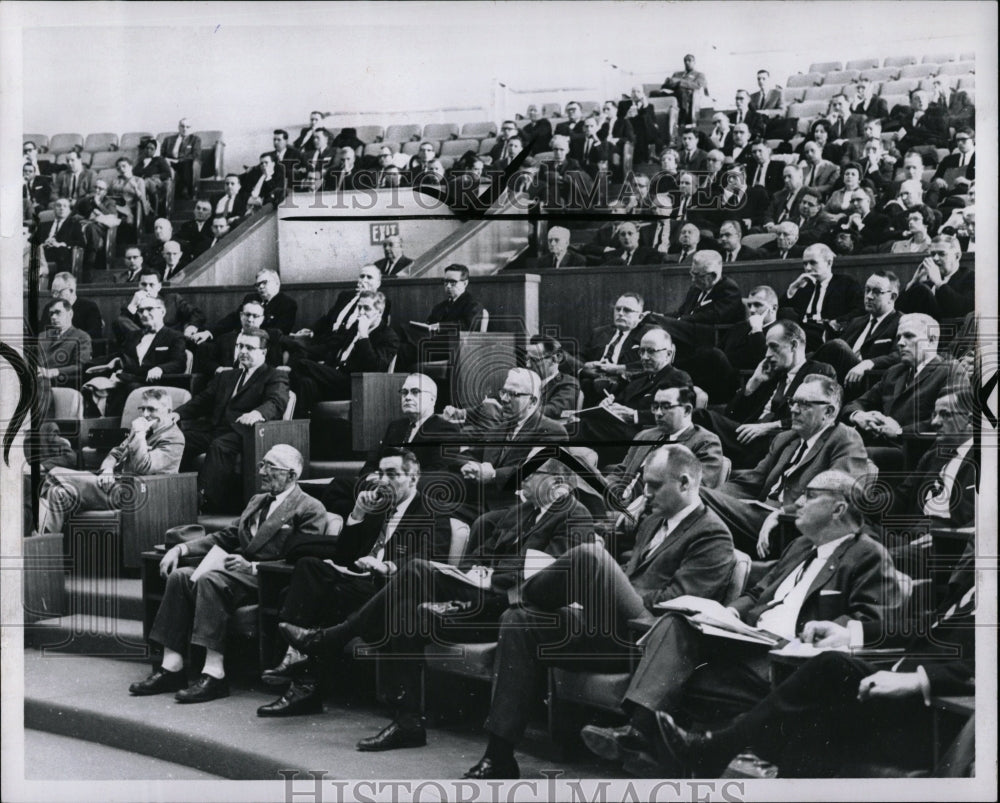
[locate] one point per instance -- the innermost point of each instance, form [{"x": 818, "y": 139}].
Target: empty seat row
[
  {"x": 890, "y": 61},
  {"x": 816, "y": 78},
  {"x": 59, "y": 144}
]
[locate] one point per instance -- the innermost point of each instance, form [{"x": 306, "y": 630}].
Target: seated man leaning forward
[
  {"x": 154, "y": 445},
  {"x": 196, "y": 607}
]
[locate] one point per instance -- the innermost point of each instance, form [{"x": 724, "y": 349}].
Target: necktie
[
  {"x": 812, "y": 175},
  {"x": 177, "y": 146},
  {"x": 809, "y": 557},
  {"x": 383, "y": 535},
  {"x": 240, "y": 382},
  {"x": 865, "y": 334},
  {"x": 813, "y": 299},
  {"x": 683, "y": 256},
  {"x": 264, "y": 508},
  {"x": 779, "y": 486},
  {"x": 628, "y": 258},
  {"x": 609, "y": 349},
  {"x": 729, "y": 256},
  {"x": 759, "y": 178},
  {"x": 586, "y": 149},
  {"x": 775, "y": 401},
  {"x": 659, "y": 538},
  {"x": 344, "y": 313},
  {"x": 72, "y": 186}
]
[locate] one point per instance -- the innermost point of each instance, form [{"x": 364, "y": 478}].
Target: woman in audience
[
  {"x": 840, "y": 199},
  {"x": 917, "y": 238}
]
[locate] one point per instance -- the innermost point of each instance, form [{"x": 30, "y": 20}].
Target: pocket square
[{"x": 161, "y": 348}]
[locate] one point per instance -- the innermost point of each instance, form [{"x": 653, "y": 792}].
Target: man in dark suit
[
  {"x": 815, "y": 443},
  {"x": 217, "y": 420},
  {"x": 268, "y": 528},
  {"x": 60, "y": 237},
  {"x": 174, "y": 259},
  {"x": 179, "y": 315},
  {"x": 232, "y": 204},
  {"x": 689, "y": 87},
  {"x": 818, "y": 173},
  {"x": 36, "y": 191},
  {"x": 197, "y": 234},
  {"x": 291, "y": 159},
  {"x": 612, "y": 348},
  {"x": 588, "y": 149},
  {"x": 865, "y": 103},
  {"x": 573, "y": 125},
  {"x": 896, "y": 411},
  {"x": 940, "y": 286},
  {"x": 561, "y": 181},
  {"x": 783, "y": 246},
  {"x": 746, "y": 113},
  {"x": 62, "y": 352},
  {"x": 731, "y": 247},
  {"x": 280, "y": 309},
  {"x": 692, "y": 158},
  {"x": 815, "y": 224},
  {"x": 559, "y": 255},
  {"x": 550, "y": 520},
  {"x": 343, "y": 177},
  {"x": 766, "y": 96},
  {"x": 629, "y": 251},
  {"x": 156, "y": 172},
  {"x": 867, "y": 342},
  {"x": 221, "y": 353},
  {"x": 182, "y": 150},
  {"x": 822, "y": 301},
  {"x": 560, "y": 391},
  {"x": 144, "y": 357},
  {"x": 920, "y": 123},
  {"x": 390, "y": 524},
  {"x": 86, "y": 314},
  {"x": 844, "y": 125},
  {"x": 368, "y": 345},
  {"x": 620, "y": 417},
  {"x": 760, "y": 409},
  {"x": 265, "y": 183},
  {"x": 641, "y": 117},
  {"x": 785, "y": 202},
  {"x": 681, "y": 548},
  {"x": 958, "y": 170},
  {"x": 490, "y": 469},
  {"x": 315, "y": 341},
  {"x": 672, "y": 409},
  {"x": 76, "y": 181},
  {"x": 460, "y": 311},
  {"x": 838, "y": 712},
  {"x": 711, "y": 300},
  {"x": 832, "y": 572},
  {"x": 306, "y": 140},
  {"x": 537, "y": 132},
  {"x": 395, "y": 262},
  {"x": 762, "y": 171}
]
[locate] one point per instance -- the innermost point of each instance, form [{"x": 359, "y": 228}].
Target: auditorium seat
[
  {"x": 903, "y": 86},
  {"x": 448, "y": 160},
  {"x": 440, "y": 131},
  {"x": 919, "y": 70},
  {"x": 162, "y": 136},
  {"x": 807, "y": 108},
  {"x": 401, "y": 133},
  {"x": 212, "y": 162},
  {"x": 958, "y": 68},
  {"x": 967, "y": 82},
  {"x": 412, "y": 148},
  {"x": 842, "y": 76},
  {"x": 826, "y": 66},
  {"x": 824, "y": 92},
  {"x": 101, "y": 142},
  {"x": 939, "y": 58},
  {"x": 898, "y": 61},
  {"x": 131, "y": 139},
  {"x": 805, "y": 79},
  {"x": 891, "y": 101},
  {"x": 373, "y": 148},
  {"x": 486, "y": 145},
  {"x": 881, "y": 74},
  {"x": 104, "y": 159},
  {"x": 369, "y": 133},
  {"x": 793, "y": 94},
  {"x": 456, "y": 147},
  {"x": 84, "y": 157},
  {"x": 41, "y": 141},
  {"x": 64, "y": 143},
  {"x": 968, "y": 56},
  {"x": 861, "y": 64},
  {"x": 590, "y": 107},
  {"x": 108, "y": 174},
  {"x": 552, "y": 110},
  {"x": 663, "y": 104},
  {"x": 479, "y": 130}
]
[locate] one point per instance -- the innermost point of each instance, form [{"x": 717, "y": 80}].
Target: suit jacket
[
  {"x": 39, "y": 191},
  {"x": 166, "y": 352},
  {"x": 86, "y": 316},
  {"x": 851, "y": 128},
  {"x": 956, "y": 298},
  {"x": 299, "y": 517},
  {"x": 907, "y": 399},
  {"x": 641, "y": 256},
  {"x": 930, "y": 129},
  {"x": 159, "y": 452},
  {"x": 179, "y": 313},
  {"x": 723, "y": 304},
  {"x": 776, "y": 212},
  {"x": 748, "y": 408},
  {"x": 569, "y": 260},
  {"x": 696, "y": 161},
  {"x": 756, "y": 122},
  {"x": 70, "y": 232},
  {"x": 639, "y": 392},
  {"x": 743, "y": 348},
  {"x": 420, "y": 534},
  {"x": 908, "y": 500},
  {"x": 773, "y": 175},
  {"x": 279, "y": 313},
  {"x": 602, "y": 335},
  {"x": 874, "y": 109},
  {"x": 880, "y": 345},
  {"x": 323, "y": 329},
  {"x": 537, "y": 135},
  {"x": 461, "y": 315},
  {"x": 197, "y": 240},
  {"x": 507, "y": 454},
  {"x": 770, "y": 250},
  {"x": 67, "y": 352},
  {"x": 817, "y": 229},
  {"x": 157, "y": 167},
  {"x": 266, "y": 391},
  {"x": 558, "y": 394},
  {"x": 84, "y": 184},
  {"x": 398, "y": 267},
  {"x": 190, "y": 147},
  {"x": 859, "y": 568},
  {"x": 599, "y": 152},
  {"x": 774, "y": 99},
  {"x": 220, "y": 352},
  {"x": 825, "y": 176},
  {"x": 695, "y": 558},
  {"x": 429, "y": 444},
  {"x": 704, "y": 444},
  {"x": 370, "y": 354},
  {"x": 844, "y": 299},
  {"x": 838, "y": 447},
  {"x": 948, "y": 169},
  {"x": 291, "y": 159},
  {"x": 238, "y": 208},
  {"x": 502, "y": 545},
  {"x": 567, "y": 129}
]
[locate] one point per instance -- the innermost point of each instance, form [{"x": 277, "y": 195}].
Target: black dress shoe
[
  {"x": 614, "y": 744},
  {"x": 395, "y": 735},
  {"x": 304, "y": 639},
  {"x": 205, "y": 688},
  {"x": 690, "y": 749},
  {"x": 285, "y": 672},
  {"x": 158, "y": 682},
  {"x": 301, "y": 698},
  {"x": 487, "y": 769}
]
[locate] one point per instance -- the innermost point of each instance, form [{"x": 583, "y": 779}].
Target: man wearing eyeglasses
[
  {"x": 217, "y": 420},
  {"x": 867, "y": 342},
  {"x": 198, "y": 612},
  {"x": 182, "y": 150},
  {"x": 941, "y": 287},
  {"x": 612, "y": 348},
  {"x": 814, "y": 443},
  {"x": 86, "y": 314},
  {"x": 459, "y": 312},
  {"x": 280, "y": 309},
  {"x": 833, "y": 572},
  {"x": 179, "y": 314},
  {"x": 390, "y": 524},
  {"x": 221, "y": 353},
  {"x": 957, "y": 170}
]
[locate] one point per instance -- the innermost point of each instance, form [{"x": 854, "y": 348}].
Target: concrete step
[
  {"x": 89, "y": 634},
  {"x": 87, "y": 698},
  {"x": 114, "y": 597}
]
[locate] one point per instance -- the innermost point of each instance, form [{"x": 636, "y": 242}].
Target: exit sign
[{"x": 382, "y": 231}]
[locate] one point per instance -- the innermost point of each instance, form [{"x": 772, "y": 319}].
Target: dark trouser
[
  {"x": 122, "y": 327},
  {"x": 202, "y": 608},
  {"x": 687, "y": 334},
  {"x": 219, "y": 479},
  {"x": 319, "y": 595},
  {"x": 838, "y": 354},
  {"x": 314, "y": 383},
  {"x": 919, "y": 298},
  {"x": 607, "y": 435},
  {"x": 547, "y": 632},
  {"x": 711, "y": 370},
  {"x": 743, "y": 519},
  {"x": 813, "y": 725},
  {"x": 743, "y": 455},
  {"x": 184, "y": 170}
]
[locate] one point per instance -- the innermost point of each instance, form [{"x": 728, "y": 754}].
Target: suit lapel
[
  {"x": 652, "y": 526},
  {"x": 273, "y": 523},
  {"x": 829, "y": 569},
  {"x": 646, "y": 557}
]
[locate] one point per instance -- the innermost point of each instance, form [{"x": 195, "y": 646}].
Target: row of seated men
[
  {"x": 850, "y": 329},
  {"x": 834, "y": 584}
]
